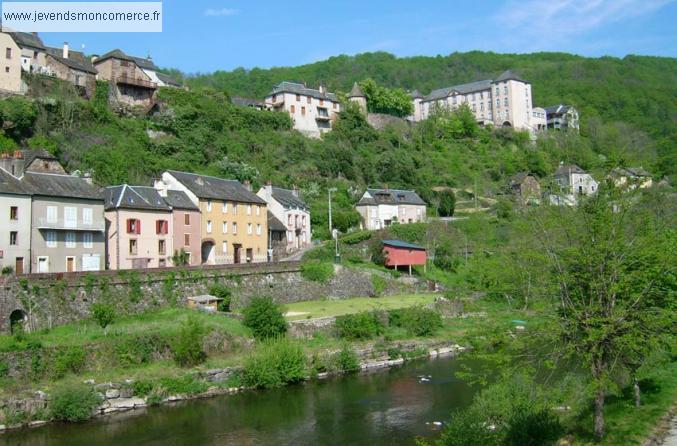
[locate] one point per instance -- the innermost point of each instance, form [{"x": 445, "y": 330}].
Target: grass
[{"x": 325, "y": 308}]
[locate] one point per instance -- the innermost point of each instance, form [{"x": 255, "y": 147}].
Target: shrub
[
  {"x": 364, "y": 325},
  {"x": 264, "y": 317},
  {"x": 345, "y": 361},
  {"x": 4, "y": 369},
  {"x": 468, "y": 428},
  {"x": 7, "y": 270},
  {"x": 74, "y": 403},
  {"x": 142, "y": 388},
  {"x": 275, "y": 364},
  {"x": 317, "y": 271},
  {"x": 69, "y": 360},
  {"x": 531, "y": 427},
  {"x": 418, "y": 320},
  {"x": 104, "y": 314},
  {"x": 379, "y": 284},
  {"x": 185, "y": 384},
  {"x": 187, "y": 346},
  {"x": 447, "y": 203},
  {"x": 356, "y": 237},
  {"x": 141, "y": 349},
  {"x": 222, "y": 291}
]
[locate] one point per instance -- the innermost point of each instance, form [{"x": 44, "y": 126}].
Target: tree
[
  {"x": 447, "y": 203},
  {"x": 180, "y": 258},
  {"x": 391, "y": 101},
  {"x": 264, "y": 317},
  {"x": 104, "y": 314},
  {"x": 613, "y": 261}
]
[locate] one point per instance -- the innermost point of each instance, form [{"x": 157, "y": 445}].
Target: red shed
[{"x": 399, "y": 253}]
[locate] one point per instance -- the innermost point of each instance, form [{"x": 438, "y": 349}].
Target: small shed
[
  {"x": 205, "y": 302},
  {"x": 398, "y": 253}
]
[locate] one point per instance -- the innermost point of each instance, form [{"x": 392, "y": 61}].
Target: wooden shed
[{"x": 398, "y": 253}]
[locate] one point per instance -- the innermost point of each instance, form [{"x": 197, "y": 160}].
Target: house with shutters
[
  {"x": 288, "y": 206},
  {"x": 139, "y": 228},
  {"x": 379, "y": 208},
  {"x": 15, "y": 221},
  {"x": 233, "y": 219},
  {"x": 185, "y": 224}
]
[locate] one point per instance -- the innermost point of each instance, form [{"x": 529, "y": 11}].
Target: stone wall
[{"x": 49, "y": 300}]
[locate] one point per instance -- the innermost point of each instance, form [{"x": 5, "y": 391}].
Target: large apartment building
[{"x": 312, "y": 111}]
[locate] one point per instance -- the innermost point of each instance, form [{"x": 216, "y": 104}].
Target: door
[
  {"x": 19, "y": 265},
  {"x": 250, "y": 255},
  {"x": 237, "y": 253},
  {"x": 70, "y": 264},
  {"x": 43, "y": 264}
]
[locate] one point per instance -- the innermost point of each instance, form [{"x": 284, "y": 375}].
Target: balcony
[
  {"x": 126, "y": 79},
  {"x": 69, "y": 225}
]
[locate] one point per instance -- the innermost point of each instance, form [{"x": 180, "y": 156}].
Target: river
[{"x": 384, "y": 408}]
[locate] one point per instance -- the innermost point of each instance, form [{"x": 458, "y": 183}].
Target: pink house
[{"x": 186, "y": 225}]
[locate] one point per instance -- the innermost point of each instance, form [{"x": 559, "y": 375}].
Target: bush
[
  {"x": 317, "y": 271},
  {"x": 275, "y": 364},
  {"x": 379, "y": 284},
  {"x": 103, "y": 314},
  {"x": 69, "y": 360},
  {"x": 4, "y": 369},
  {"x": 364, "y": 325},
  {"x": 264, "y": 317},
  {"x": 187, "y": 346},
  {"x": 141, "y": 349},
  {"x": 222, "y": 291},
  {"x": 7, "y": 270},
  {"x": 345, "y": 361},
  {"x": 468, "y": 428},
  {"x": 418, "y": 320},
  {"x": 447, "y": 203},
  {"x": 74, "y": 403},
  {"x": 531, "y": 427},
  {"x": 356, "y": 237},
  {"x": 185, "y": 384}
]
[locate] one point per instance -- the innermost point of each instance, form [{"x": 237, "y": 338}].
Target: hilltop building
[
  {"x": 562, "y": 117},
  {"x": 571, "y": 182},
  {"x": 379, "y": 208},
  {"x": 357, "y": 96},
  {"x": 312, "y": 111},
  {"x": 288, "y": 207}
]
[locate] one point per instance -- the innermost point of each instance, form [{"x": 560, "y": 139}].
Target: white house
[
  {"x": 379, "y": 208},
  {"x": 312, "y": 111},
  {"x": 15, "y": 221},
  {"x": 288, "y": 207},
  {"x": 572, "y": 182}
]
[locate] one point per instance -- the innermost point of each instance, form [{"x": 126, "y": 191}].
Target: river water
[{"x": 384, "y": 408}]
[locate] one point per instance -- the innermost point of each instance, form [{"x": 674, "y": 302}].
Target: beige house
[
  {"x": 380, "y": 208},
  {"x": 312, "y": 111},
  {"x": 233, "y": 220},
  {"x": 10, "y": 68},
  {"x": 631, "y": 178},
  {"x": 139, "y": 228},
  {"x": 33, "y": 55},
  {"x": 288, "y": 207},
  {"x": 15, "y": 221}
]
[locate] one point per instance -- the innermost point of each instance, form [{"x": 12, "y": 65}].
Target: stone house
[
  {"x": 289, "y": 208},
  {"x": 631, "y": 177},
  {"x": 357, "y": 96},
  {"x": 186, "y": 224},
  {"x": 233, "y": 220},
  {"x": 379, "y": 208},
  {"x": 569, "y": 183},
  {"x": 562, "y": 117},
  {"x": 33, "y": 54},
  {"x": 72, "y": 66},
  {"x": 130, "y": 83},
  {"x": 312, "y": 111},
  {"x": 525, "y": 188},
  {"x": 10, "y": 69},
  {"x": 15, "y": 221},
  {"x": 139, "y": 228}
]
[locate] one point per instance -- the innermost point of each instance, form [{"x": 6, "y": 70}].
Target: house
[
  {"x": 248, "y": 102},
  {"x": 10, "y": 69},
  {"x": 312, "y": 111},
  {"x": 562, "y": 117},
  {"x": 379, "y": 208},
  {"x": 277, "y": 238},
  {"x": 539, "y": 119},
  {"x": 72, "y": 66},
  {"x": 67, "y": 216},
  {"x": 139, "y": 228},
  {"x": 33, "y": 55},
  {"x": 15, "y": 221},
  {"x": 570, "y": 183},
  {"x": 631, "y": 177},
  {"x": 505, "y": 101},
  {"x": 357, "y": 96},
  {"x": 129, "y": 79},
  {"x": 233, "y": 220},
  {"x": 185, "y": 226},
  {"x": 525, "y": 188},
  {"x": 288, "y": 207},
  {"x": 398, "y": 253}
]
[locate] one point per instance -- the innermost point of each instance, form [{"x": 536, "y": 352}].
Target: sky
[{"x": 201, "y": 36}]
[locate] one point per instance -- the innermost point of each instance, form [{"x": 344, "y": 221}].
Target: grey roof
[
  {"x": 356, "y": 92},
  {"x": 167, "y": 79},
  {"x": 134, "y": 197},
  {"x": 76, "y": 60},
  {"x": 557, "y": 109},
  {"x": 204, "y": 186},
  {"x": 631, "y": 172},
  {"x": 564, "y": 170},
  {"x": 28, "y": 40},
  {"x": 10, "y": 185},
  {"x": 391, "y": 196},
  {"x": 247, "y": 102},
  {"x": 416, "y": 94},
  {"x": 293, "y": 87},
  {"x": 142, "y": 62},
  {"x": 509, "y": 75},
  {"x": 274, "y": 224},
  {"x": 31, "y": 155},
  {"x": 401, "y": 244},
  {"x": 179, "y": 200},
  {"x": 519, "y": 178},
  {"x": 287, "y": 199},
  {"x": 460, "y": 89},
  {"x": 55, "y": 185}
]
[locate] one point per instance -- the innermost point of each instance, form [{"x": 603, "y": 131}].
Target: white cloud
[{"x": 223, "y": 12}]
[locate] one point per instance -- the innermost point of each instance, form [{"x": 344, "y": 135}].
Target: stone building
[
  {"x": 288, "y": 206},
  {"x": 525, "y": 188},
  {"x": 312, "y": 111},
  {"x": 357, "y": 96},
  {"x": 379, "y": 208},
  {"x": 72, "y": 66},
  {"x": 129, "y": 82},
  {"x": 631, "y": 178},
  {"x": 570, "y": 183}
]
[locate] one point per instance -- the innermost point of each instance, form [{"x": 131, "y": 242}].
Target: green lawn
[{"x": 324, "y": 308}]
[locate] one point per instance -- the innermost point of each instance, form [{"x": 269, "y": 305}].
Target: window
[
  {"x": 249, "y": 209},
  {"x": 258, "y": 229},
  {"x": 70, "y": 215},
  {"x": 14, "y": 238},
  {"x": 224, "y": 227},
  {"x": 6, "y": 69},
  {"x": 50, "y": 238},
  {"x": 132, "y": 247},
  {"x": 8, "y": 53},
  {"x": 505, "y": 89},
  {"x": 309, "y": 100},
  {"x": 88, "y": 240},
  {"x": 498, "y": 102},
  {"x": 70, "y": 239},
  {"x": 298, "y": 97},
  {"x": 186, "y": 219},
  {"x": 274, "y": 98},
  {"x": 186, "y": 239},
  {"x": 234, "y": 228},
  {"x": 224, "y": 247},
  {"x": 303, "y": 111},
  {"x": 321, "y": 101},
  {"x": 14, "y": 213},
  {"x": 249, "y": 229},
  {"x": 234, "y": 208},
  {"x": 51, "y": 214},
  {"x": 258, "y": 210},
  {"x": 209, "y": 205},
  {"x": 293, "y": 109},
  {"x": 87, "y": 216},
  {"x": 498, "y": 91},
  {"x": 133, "y": 226},
  {"x": 161, "y": 227},
  {"x": 225, "y": 207},
  {"x": 474, "y": 108},
  {"x": 505, "y": 102},
  {"x": 454, "y": 100},
  {"x": 334, "y": 105},
  {"x": 290, "y": 236},
  {"x": 209, "y": 226},
  {"x": 289, "y": 219},
  {"x": 162, "y": 247},
  {"x": 481, "y": 106}
]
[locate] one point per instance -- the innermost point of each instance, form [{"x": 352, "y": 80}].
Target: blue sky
[{"x": 208, "y": 35}]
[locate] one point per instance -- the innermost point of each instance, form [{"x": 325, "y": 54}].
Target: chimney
[
  {"x": 295, "y": 191},
  {"x": 94, "y": 58},
  {"x": 88, "y": 178},
  {"x": 247, "y": 185},
  {"x": 65, "y": 50},
  {"x": 323, "y": 88}
]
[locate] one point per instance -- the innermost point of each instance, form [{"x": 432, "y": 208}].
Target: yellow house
[{"x": 233, "y": 220}]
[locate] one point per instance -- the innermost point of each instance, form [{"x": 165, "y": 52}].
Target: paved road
[{"x": 671, "y": 439}]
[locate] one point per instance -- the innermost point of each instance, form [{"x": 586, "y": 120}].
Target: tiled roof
[
  {"x": 134, "y": 197},
  {"x": 28, "y": 40},
  {"x": 247, "y": 102},
  {"x": 168, "y": 79},
  {"x": 204, "y": 186},
  {"x": 54, "y": 185},
  {"x": 287, "y": 199},
  {"x": 76, "y": 60},
  {"x": 401, "y": 244},
  {"x": 416, "y": 95},
  {"x": 274, "y": 224},
  {"x": 557, "y": 109},
  {"x": 460, "y": 89},
  {"x": 179, "y": 200},
  {"x": 509, "y": 75},
  {"x": 631, "y": 172},
  {"x": 141, "y": 62},
  {"x": 296, "y": 88},
  {"x": 11, "y": 185},
  {"x": 356, "y": 92},
  {"x": 519, "y": 178},
  {"x": 31, "y": 155},
  {"x": 390, "y": 196},
  {"x": 566, "y": 169}
]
